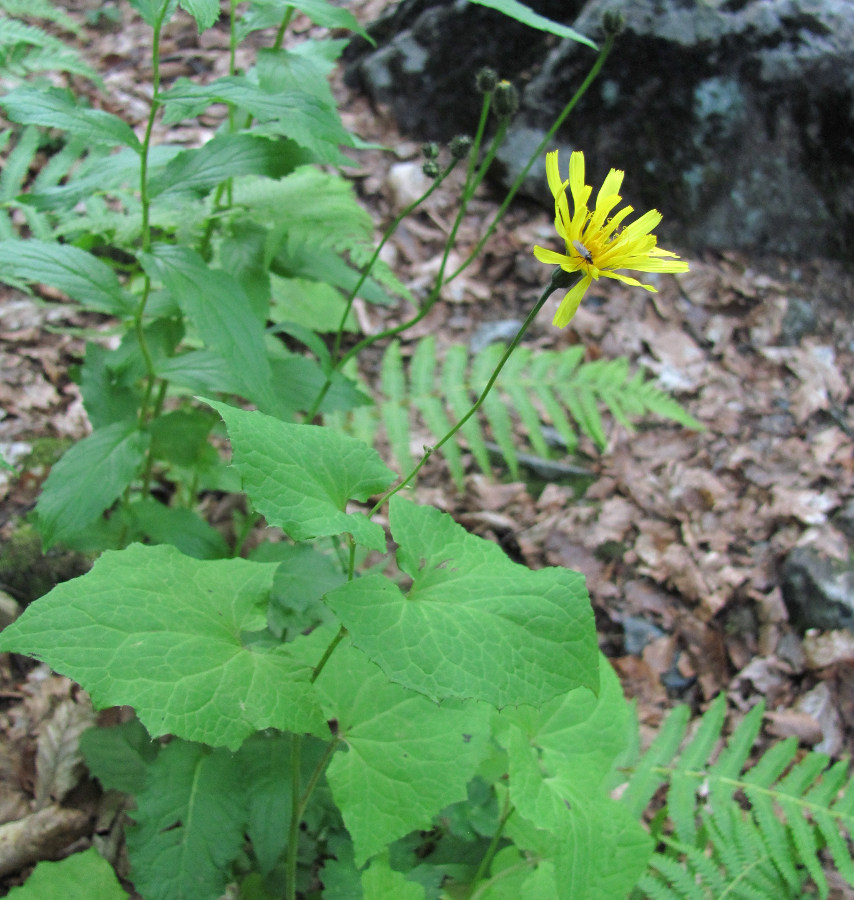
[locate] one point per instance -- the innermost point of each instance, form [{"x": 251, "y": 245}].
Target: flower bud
[
  {"x": 486, "y": 79},
  {"x": 461, "y": 146},
  {"x": 430, "y": 168},
  {"x": 506, "y": 99},
  {"x": 612, "y": 23},
  {"x": 430, "y": 150}
]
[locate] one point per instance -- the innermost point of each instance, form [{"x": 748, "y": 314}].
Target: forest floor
[{"x": 682, "y": 535}]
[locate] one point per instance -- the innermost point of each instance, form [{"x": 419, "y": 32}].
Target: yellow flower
[{"x": 595, "y": 244}]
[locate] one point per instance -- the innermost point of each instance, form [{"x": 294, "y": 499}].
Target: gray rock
[
  {"x": 799, "y": 321},
  {"x": 735, "y": 119},
  {"x": 818, "y": 592}
]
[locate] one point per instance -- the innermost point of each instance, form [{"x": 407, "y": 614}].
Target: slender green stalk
[
  {"x": 293, "y": 830},
  {"x": 298, "y": 808},
  {"x": 388, "y": 233},
  {"x": 342, "y": 632},
  {"x": 280, "y": 34},
  {"x": 478, "y": 136},
  {"x": 492, "y": 849},
  {"x": 560, "y": 279},
  {"x": 145, "y": 237},
  {"x": 514, "y": 188},
  {"x": 337, "y": 359},
  {"x": 472, "y": 182}
]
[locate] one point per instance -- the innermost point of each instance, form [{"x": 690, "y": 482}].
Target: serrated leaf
[
  {"x": 155, "y": 12},
  {"x": 189, "y": 824},
  {"x": 69, "y": 269},
  {"x": 473, "y": 624},
  {"x": 164, "y": 633},
  {"x": 559, "y": 757},
  {"x": 205, "y": 12},
  {"x": 57, "y": 108},
  {"x": 80, "y": 876},
  {"x": 220, "y": 311},
  {"x": 88, "y": 479},
  {"x": 406, "y": 758},
  {"x": 296, "y": 114},
  {"x": 300, "y": 477},
  {"x": 199, "y": 170}
]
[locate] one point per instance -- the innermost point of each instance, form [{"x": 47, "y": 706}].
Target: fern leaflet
[
  {"x": 541, "y": 392},
  {"x": 737, "y": 832}
]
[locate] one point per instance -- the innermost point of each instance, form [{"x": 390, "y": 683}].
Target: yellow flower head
[{"x": 596, "y": 244}]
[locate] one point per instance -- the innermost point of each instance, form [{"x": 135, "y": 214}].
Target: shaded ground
[{"x": 682, "y": 535}]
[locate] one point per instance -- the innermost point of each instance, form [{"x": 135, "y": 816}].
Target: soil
[{"x": 681, "y": 534}]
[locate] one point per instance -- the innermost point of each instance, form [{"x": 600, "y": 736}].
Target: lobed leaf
[
  {"x": 301, "y": 477},
  {"x": 171, "y": 636},
  {"x": 473, "y": 624}
]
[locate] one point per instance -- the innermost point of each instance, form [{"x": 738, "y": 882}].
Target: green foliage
[
  {"x": 794, "y": 806},
  {"x": 78, "y": 877},
  {"x": 546, "y": 388},
  {"x": 527, "y": 16},
  {"x": 434, "y": 720},
  {"x": 27, "y": 50}
]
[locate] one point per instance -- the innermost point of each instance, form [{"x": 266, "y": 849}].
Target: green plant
[
  {"x": 733, "y": 831},
  {"x": 335, "y": 711},
  {"x": 558, "y": 389}
]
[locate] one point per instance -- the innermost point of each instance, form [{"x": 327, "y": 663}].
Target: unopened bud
[
  {"x": 460, "y": 146},
  {"x": 430, "y": 168},
  {"x": 612, "y": 23},
  {"x": 486, "y": 79},
  {"x": 430, "y": 150},
  {"x": 506, "y": 99}
]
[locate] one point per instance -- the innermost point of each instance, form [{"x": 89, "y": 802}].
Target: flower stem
[
  {"x": 492, "y": 849},
  {"x": 560, "y": 279},
  {"x": 582, "y": 90},
  {"x": 298, "y": 807},
  {"x": 337, "y": 360}
]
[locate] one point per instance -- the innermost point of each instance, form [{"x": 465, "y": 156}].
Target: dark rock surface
[
  {"x": 818, "y": 592},
  {"x": 735, "y": 118}
]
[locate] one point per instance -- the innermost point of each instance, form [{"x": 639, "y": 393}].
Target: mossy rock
[{"x": 27, "y": 573}]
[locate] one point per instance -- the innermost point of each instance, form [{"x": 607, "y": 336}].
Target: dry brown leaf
[{"x": 59, "y": 763}]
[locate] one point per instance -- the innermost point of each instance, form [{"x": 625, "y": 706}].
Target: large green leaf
[
  {"x": 297, "y": 115},
  {"x": 81, "y": 876},
  {"x": 190, "y": 822},
  {"x": 88, "y": 479},
  {"x": 226, "y": 156},
  {"x": 406, "y": 759},
  {"x": 56, "y": 108},
  {"x": 559, "y": 756},
  {"x": 172, "y": 637},
  {"x": 69, "y": 269},
  {"x": 473, "y": 624},
  {"x": 301, "y": 477},
  {"x": 220, "y": 312}
]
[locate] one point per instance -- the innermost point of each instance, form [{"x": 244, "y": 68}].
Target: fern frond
[
  {"x": 535, "y": 393},
  {"x": 796, "y": 809},
  {"x": 39, "y": 9},
  {"x": 28, "y": 49}
]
